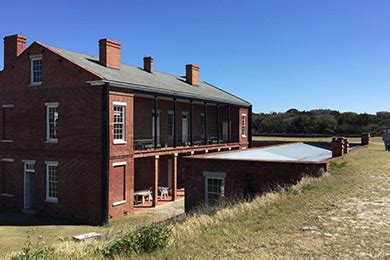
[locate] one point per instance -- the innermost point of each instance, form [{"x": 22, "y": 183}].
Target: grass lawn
[{"x": 343, "y": 214}]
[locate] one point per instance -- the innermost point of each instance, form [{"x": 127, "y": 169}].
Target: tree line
[{"x": 320, "y": 121}]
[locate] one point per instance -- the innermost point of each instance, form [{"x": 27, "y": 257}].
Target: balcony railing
[{"x": 148, "y": 142}]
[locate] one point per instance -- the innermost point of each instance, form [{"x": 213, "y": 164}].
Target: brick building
[{"x": 80, "y": 134}]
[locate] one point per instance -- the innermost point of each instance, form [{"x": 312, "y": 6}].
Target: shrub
[
  {"x": 152, "y": 238},
  {"x": 125, "y": 245},
  {"x": 146, "y": 239}
]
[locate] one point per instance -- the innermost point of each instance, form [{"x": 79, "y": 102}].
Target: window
[
  {"x": 119, "y": 123},
  {"x": 8, "y": 178},
  {"x": 7, "y": 124},
  {"x": 119, "y": 193},
  {"x": 215, "y": 189},
  {"x": 52, "y": 122},
  {"x": 51, "y": 182},
  {"x": 243, "y": 125},
  {"x": 36, "y": 70},
  {"x": 170, "y": 124}
]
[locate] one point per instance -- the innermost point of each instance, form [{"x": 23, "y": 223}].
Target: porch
[{"x": 182, "y": 123}]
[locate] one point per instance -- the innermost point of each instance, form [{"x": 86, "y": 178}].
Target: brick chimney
[
  {"x": 365, "y": 140},
  {"x": 192, "y": 74},
  {"x": 337, "y": 146},
  {"x": 148, "y": 64},
  {"x": 14, "y": 45},
  {"x": 110, "y": 53}
]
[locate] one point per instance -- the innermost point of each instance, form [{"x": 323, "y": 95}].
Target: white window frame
[
  {"x": 48, "y": 106},
  {"x": 32, "y": 59},
  {"x": 123, "y": 105},
  {"x": 49, "y": 198},
  {"x": 244, "y": 125},
  {"x": 213, "y": 175}
]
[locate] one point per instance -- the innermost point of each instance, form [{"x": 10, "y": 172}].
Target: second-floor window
[
  {"x": 36, "y": 70},
  {"x": 52, "y": 122},
  {"x": 243, "y": 125},
  {"x": 119, "y": 123}
]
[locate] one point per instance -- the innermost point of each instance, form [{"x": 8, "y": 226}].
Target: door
[
  {"x": 225, "y": 132},
  {"x": 158, "y": 126},
  {"x": 185, "y": 128},
  {"x": 29, "y": 186}
]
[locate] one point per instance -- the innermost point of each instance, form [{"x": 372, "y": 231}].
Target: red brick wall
[
  {"x": 121, "y": 153},
  {"x": 243, "y": 176},
  {"x": 79, "y": 133}
]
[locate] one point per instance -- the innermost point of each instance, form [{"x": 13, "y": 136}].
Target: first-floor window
[
  {"x": 215, "y": 189},
  {"x": 243, "y": 125},
  {"x": 119, "y": 122},
  {"x": 52, "y": 122},
  {"x": 51, "y": 182}
]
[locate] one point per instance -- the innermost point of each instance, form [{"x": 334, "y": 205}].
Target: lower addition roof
[{"x": 135, "y": 78}]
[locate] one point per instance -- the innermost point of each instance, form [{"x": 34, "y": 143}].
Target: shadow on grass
[{"x": 13, "y": 218}]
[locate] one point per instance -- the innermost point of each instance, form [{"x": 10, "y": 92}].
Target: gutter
[{"x": 105, "y": 152}]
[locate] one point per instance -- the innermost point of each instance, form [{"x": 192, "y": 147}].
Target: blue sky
[{"x": 278, "y": 54}]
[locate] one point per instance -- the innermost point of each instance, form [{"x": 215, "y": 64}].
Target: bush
[
  {"x": 152, "y": 238},
  {"x": 146, "y": 239}
]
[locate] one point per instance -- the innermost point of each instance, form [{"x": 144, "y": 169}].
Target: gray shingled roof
[{"x": 133, "y": 77}]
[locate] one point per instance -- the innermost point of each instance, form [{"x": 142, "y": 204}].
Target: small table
[
  {"x": 164, "y": 192},
  {"x": 143, "y": 194}
]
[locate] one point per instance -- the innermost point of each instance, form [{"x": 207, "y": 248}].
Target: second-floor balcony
[{"x": 182, "y": 123}]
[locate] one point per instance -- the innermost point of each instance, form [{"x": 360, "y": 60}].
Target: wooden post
[
  {"x": 174, "y": 177},
  {"x": 228, "y": 119},
  {"x": 174, "y": 122},
  {"x": 218, "y": 119},
  {"x": 155, "y": 122},
  {"x": 155, "y": 182},
  {"x": 205, "y": 122},
  {"x": 191, "y": 115}
]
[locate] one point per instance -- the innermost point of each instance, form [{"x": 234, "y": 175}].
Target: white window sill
[
  {"x": 51, "y": 141},
  {"x": 119, "y": 203},
  {"x": 120, "y": 142},
  {"x": 7, "y": 141},
  {"x": 6, "y": 195},
  {"x": 52, "y": 200},
  {"x": 35, "y": 84}
]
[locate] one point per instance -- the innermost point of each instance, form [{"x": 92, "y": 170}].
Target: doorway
[
  {"x": 29, "y": 186},
  {"x": 185, "y": 128}
]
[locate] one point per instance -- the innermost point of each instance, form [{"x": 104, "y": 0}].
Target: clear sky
[{"x": 278, "y": 54}]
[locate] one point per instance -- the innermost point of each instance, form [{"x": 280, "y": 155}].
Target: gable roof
[{"x": 135, "y": 78}]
